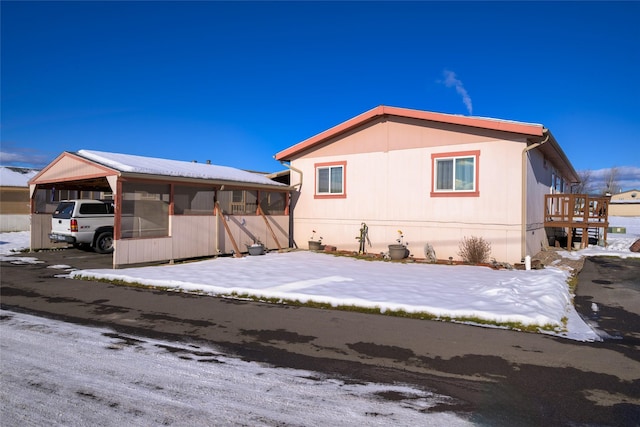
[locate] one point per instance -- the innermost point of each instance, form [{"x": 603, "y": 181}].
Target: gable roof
[
  {"x": 621, "y": 198},
  {"x": 531, "y": 129},
  {"x": 132, "y": 165},
  {"x": 634, "y": 190},
  {"x": 551, "y": 149}
]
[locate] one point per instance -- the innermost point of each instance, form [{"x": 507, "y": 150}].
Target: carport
[{"x": 165, "y": 210}]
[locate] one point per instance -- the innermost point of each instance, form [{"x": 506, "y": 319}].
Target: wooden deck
[{"x": 573, "y": 212}]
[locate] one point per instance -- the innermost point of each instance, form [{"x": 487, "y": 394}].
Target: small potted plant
[
  {"x": 315, "y": 245},
  {"x": 257, "y": 248},
  {"x": 399, "y": 249}
]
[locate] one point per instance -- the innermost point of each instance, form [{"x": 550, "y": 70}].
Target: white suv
[{"x": 84, "y": 223}]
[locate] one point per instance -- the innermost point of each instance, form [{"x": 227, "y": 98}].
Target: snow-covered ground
[
  {"x": 535, "y": 297},
  {"x": 55, "y": 373}
]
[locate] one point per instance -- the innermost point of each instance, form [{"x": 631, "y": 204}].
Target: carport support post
[
  {"x": 266, "y": 221},
  {"x": 226, "y": 227},
  {"x": 117, "y": 220}
]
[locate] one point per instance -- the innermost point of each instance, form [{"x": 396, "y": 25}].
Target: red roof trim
[
  {"x": 36, "y": 178},
  {"x": 483, "y": 123}
]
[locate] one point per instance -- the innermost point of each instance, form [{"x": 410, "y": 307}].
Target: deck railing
[{"x": 577, "y": 211}]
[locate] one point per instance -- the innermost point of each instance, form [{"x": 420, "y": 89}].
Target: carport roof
[
  {"x": 116, "y": 164},
  {"x": 164, "y": 167}
]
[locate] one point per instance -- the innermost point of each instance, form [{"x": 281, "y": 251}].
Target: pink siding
[
  {"x": 389, "y": 175},
  {"x": 399, "y": 134},
  {"x": 68, "y": 167},
  {"x": 202, "y": 235},
  {"x": 478, "y": 125}
]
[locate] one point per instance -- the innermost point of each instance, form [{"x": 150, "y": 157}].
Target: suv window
[
  {"x": 94, "y": 209},
  {"x": 64, "y": 210}
]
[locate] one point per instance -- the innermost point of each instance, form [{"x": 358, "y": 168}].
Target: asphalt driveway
[{"x": 608, "y": 297}]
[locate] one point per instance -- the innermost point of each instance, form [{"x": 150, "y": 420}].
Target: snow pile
[
  {"x": 14, "y": 242},
  {"x": 538, "y": 297}
]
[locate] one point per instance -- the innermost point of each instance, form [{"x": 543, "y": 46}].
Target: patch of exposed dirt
[
  {"x": 545, "y": 258},
  {"x": 551, "y": 258}
]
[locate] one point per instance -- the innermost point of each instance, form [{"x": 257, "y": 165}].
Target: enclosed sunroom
[{"x": 165, "y": 210}]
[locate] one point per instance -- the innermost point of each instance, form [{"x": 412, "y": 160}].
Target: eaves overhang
[
  {"x": 227, "y": 184},
  {"x": 554, "y": 153},
  {"x": 528, "y": 129}
]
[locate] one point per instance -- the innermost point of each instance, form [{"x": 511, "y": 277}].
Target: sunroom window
[
  {"x": 193, "y": 200},
  {"x": 145, "y": 210},
  {"x": 238, "y": 202}
]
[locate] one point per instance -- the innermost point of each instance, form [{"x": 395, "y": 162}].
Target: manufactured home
[
  {"x": 432, "y": 178},
  {"x": 626, "y": 203},
  {"x": 14, "y": 198}
]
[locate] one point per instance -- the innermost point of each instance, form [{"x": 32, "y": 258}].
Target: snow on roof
[
  {"x": 166, "y": 167},
  {"x": 16, "y": 177}
]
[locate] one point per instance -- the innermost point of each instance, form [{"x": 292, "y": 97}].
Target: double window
[
  {"x": 331, "y": 180},
  {"x": 455, "y": 174},
  {"x": 273, "y": 203}
]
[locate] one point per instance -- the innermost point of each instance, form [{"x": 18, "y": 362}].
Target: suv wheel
[{"x": 104, "y": 243}]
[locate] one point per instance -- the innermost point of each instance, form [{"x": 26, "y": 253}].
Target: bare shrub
[{"x": 474, "y": 250}]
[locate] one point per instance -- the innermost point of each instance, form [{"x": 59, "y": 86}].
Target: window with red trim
[
  {"x": 455, "y": 174},
  {"x": 330, "y": 180}
]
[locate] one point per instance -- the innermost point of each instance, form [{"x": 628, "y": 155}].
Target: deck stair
[{"x": 593, "y": 235}]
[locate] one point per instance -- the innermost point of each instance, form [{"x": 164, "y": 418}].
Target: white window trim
[
  {"x": 453, "y": 178},
  {"x": 436, "y": 157},
  {"x": 331, "y": 168}
]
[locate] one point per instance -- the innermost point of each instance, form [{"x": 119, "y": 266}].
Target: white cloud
[
  {"x": 23, "y": 157},
  {"x": 451, "y": 80},
  {"x": 627, "y": 178}
]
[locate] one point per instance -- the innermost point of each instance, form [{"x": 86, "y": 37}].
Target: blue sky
[{"x": 236, "y": 82}]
